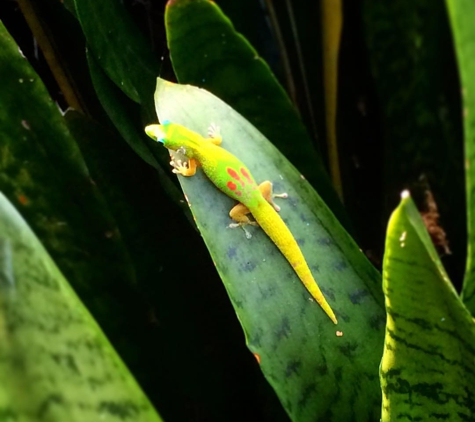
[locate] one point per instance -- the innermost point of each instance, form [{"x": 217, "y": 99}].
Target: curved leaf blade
[
  {"x": 462, "y": 13},
  {"x": 125, "y": 115},
  {"x": 43, "y": 173},
  {"x": 427, "y": 367},
  {"x": 302, "y": 354},
  {"x": 119, "y": 47},
  {"x": 55, "y": 362}
]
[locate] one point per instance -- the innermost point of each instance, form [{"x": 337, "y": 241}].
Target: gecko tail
[
  {"x": 279, "y": 233},
  {"x": 312, "y": 287}
]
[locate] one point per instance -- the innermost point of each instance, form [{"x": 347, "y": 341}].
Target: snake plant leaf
[
  {"x": 208, "y": 52},
  {"x": 462, "y": 13},
  {"x": 43, "y": 173},
  {"x": 427, "y": 370},
  {"x": 55, "y": 362},
  {"x": 305, "y": 357},
  {"x": 125, "y": 115}
]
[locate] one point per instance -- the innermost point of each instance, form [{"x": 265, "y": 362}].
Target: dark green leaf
[
  {"x": 44, "y": 175},
  {"x": 120, "y": 49},
  {"x": 125, "y": 115},
  {"x": 462, "y": 13}
]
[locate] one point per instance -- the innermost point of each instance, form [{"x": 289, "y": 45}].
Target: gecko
[{"x": 233, "y": 178}]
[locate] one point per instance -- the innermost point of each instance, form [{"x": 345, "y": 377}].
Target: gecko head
[
  {"x": 156, "y": 133},
  {"x": 174, "y": 136}
]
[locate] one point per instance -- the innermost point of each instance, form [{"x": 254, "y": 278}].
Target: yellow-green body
[{"x": 232, "y": 177}]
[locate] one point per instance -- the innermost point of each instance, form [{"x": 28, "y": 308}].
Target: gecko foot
[
  {"x": 179, "y": 167},
  {"x": 234, "y": 225},
  {"x": 214, "y": 131},
  {"x": 278, "y": 195}
]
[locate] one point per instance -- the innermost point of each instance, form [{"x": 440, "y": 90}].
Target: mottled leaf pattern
[
  {"x": 55, "y": 362},
  {"x": 305, "y": 357},
  {"x": 427, "y": 371}
]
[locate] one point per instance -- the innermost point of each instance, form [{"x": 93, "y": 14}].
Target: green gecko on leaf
[{"x": 233, "y": 178}]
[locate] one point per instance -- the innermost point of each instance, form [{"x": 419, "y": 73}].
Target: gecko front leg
[
  {"x": 214, "y": 134},
  {"x": 185, "y": 168}
]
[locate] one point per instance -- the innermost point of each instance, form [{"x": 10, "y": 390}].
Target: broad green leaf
[
  {"x": 206, "y": 51},
  {"x": 427, "y": 370},
  {"x": 55, "y": 362},
  {"x": 462, "y": 14},
  {"x": 306, "y": 358},
  {"x": 44, "y": 175}
]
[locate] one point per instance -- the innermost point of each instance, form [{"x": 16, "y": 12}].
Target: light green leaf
[
  {"x": 427, "y": 370},
  {"x": 307, "y": 359},
  {"x": 55, "y": 362}
]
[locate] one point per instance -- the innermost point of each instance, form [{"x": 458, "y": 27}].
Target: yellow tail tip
[
  {"x": 326, "y": 308},
  {"x": 329, "y": 311}
]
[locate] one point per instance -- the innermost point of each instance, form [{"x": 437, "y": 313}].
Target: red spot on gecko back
[
  {"x": 246, "y": 175},
  {"x": 234, "y": 175},
  {"x": 233, "y": 187}
]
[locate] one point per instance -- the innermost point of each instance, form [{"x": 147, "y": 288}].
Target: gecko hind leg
[
  {"x": 267, "y": 193},
  {"x": 239, "y": 214}
]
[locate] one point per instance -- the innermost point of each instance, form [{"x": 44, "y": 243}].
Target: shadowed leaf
[
  {"x": 120, "y": 49},
  {"x": 461, "y": 13}
]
